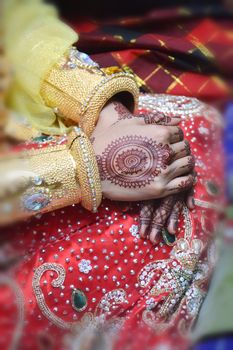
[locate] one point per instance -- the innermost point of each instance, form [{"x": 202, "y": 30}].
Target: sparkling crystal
[
  {"x": 84, "y": 58},
  {"x": 71, "y": 65},
  {"x": 35, "y": 201},
  {"x": 37, "y": 180}
]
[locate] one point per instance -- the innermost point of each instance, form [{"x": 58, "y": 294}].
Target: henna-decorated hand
[
  {"x": 157, "y": 215},
  {"x": 139, "y": 160}
]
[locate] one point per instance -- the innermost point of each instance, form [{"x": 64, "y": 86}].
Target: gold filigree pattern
[{"x": 56, "y": 283}]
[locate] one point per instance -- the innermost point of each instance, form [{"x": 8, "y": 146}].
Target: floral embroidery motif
[
  {"x": 85, "y": 266},
  {"x": 134, "y": 230}
]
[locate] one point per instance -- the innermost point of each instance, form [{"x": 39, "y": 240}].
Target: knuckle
[
  {"x": 168, "y": 170},
  {"x": 180, "y": 133},
  {"x": 165, "y": 134},
  {"x": 159, "y": 188}
]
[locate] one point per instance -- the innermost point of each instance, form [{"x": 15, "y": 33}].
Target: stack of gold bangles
[
  {"x": 86, "y": 169},
  {"x": 77, "y": 89}
]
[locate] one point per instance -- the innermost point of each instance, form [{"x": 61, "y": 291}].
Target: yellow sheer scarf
[{"x": 35, "y": 39}]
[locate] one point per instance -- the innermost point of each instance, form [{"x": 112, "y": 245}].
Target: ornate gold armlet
[
  {"x": 78, "y": 89},
  {"x": 86, "y": 169},
  {"x": 37, "y": 181}
]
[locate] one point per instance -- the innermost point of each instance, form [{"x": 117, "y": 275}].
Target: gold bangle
[
  {"x": 77, "y": 89},
  {"x": 86, "y": 169}
]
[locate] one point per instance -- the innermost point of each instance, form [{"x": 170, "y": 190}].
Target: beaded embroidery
[
  {"x": 179, "y": 106},
  {"x": 58, "y": 282}
]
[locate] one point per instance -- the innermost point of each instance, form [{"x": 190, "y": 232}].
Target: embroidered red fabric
[{"x": 79, "y": 272}]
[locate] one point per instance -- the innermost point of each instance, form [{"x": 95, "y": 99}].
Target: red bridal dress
[{"x": 80, "y": 278}]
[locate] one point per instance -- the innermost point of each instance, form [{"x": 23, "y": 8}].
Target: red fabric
[
  {"x": 174, "y": 50},
  {"x": 40, "y": 313}
]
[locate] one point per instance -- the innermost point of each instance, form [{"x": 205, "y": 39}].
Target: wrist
[{"x": 78, "y": 91}]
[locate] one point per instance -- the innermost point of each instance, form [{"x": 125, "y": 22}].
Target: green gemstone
[
  {"x": 168, "y": 238},
  {"x": 42, "y": 138},
  {"x": 212, "y": 188},
  {"x": 79, "y": 300}
]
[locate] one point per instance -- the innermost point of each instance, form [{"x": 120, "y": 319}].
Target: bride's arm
[
  {"x": 53, "y": 85},
  {"x": 46, "y": 174},
  {"x": 56, "y": 88}
]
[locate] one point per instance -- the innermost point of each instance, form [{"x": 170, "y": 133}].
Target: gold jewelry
[
  {"x": 86, "y": 169},
  {"x": 37, "y": 181},
  {"x": 78, "y": 89}
]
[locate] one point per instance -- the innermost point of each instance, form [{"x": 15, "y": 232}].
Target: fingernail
[
  {"x": 142, "y": 231},
  {"x": 171, "y": 227},
  {"x": 155, "y": 235},
  {"x": 156, "y": 240}
]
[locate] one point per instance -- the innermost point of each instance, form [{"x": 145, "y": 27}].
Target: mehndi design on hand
[
  {"x": 123, "y": 112},
  {"x": 154, "y": 218},
  {"x": 149, "y": 118},
  {"x": 146, "y": 211},
  {"x": 133, "y": 161},
  {"x": 134, "y": 154},
  {"x": 156, "y": 118},
  {"x": 186, "y": 184}
]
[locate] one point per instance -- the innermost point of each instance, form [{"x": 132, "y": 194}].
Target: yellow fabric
[{"x": 35, "y": 39}]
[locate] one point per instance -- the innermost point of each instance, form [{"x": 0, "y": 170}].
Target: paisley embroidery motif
[
  {"x": 109, "y": 302},
  {"x": 58, "y": 282}
]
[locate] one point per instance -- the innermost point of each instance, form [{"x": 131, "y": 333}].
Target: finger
[
  {"x": 182, "y": 166},
  {"x": 145, "y": 216},
  {"x": 160, "y": 217},
  {"x": 190, "y": 202},
  {"x": 181, "y": 149},
  {"x": 174, "y": 121},
  {"x": 180, "y": 184},
  {"x": 174, "y": 216},
  {"x": 176, "y": 135},
  {"x": 159, "y": 119},
  {"x": 190, "y": 199},
  {"x": 168, "y": 134}
]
